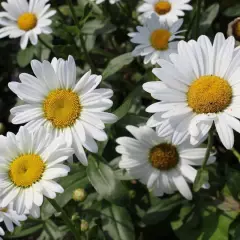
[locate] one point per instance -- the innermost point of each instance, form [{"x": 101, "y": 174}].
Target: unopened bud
[
  {"x": 132, "y": 194},
  {"x": 84, "y": 225},
  {"x": 79, "y": 195}
]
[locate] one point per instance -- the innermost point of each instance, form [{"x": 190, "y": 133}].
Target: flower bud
[
  {"x": 84, "y": 225},
  {"x": 79, "y": 195}
]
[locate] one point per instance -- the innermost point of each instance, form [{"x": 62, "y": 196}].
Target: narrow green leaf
[
  {"x": 117, "y": 223},
  {"x": 117, "y": 64},
  {"x": 208, "y": 17},
  {"x": 162, "y": 209},
  {"x": 201, "y": 178},
  {"x": 104, "y": 181},
  {"x": 233, "y": 11},
  {"x": 125, "y": 107},
  {"x": 21, "y": 232},
  {"x": 24, "y": 57}
]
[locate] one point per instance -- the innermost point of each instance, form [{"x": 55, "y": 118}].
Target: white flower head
[
  {"x": 169, "y": 10},
  {"x": 9, "y": 216},
  {"x": 156, "y": 39},
  {"x": 234, "y": 30},
  {"x": 56, "y": 100},
  {"x": 158, "y": 163},
  {"x": 25, "y": 20},
  {"x": 29, "y": 164},
  {"x": 200, "y": 86},
  {"x": 101, "y": 1}
]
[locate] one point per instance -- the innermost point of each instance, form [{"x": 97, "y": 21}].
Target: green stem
[
  {"x": 209, "y": 148},
  {"x": 88, "y": 59},
  {"x": 45, "y": 44},
  {"x": 236, "y": 153},
  {"x": 198, "y": 15},
  {"x": 65, "y": 218}
]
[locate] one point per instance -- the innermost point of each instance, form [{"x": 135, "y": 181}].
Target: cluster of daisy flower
[{"x": 199, "y": 90}]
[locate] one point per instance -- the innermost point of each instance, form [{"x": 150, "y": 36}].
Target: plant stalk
[{"x": 209, "y": 147}]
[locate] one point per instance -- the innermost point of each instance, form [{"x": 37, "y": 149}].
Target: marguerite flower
[
  {"x": 10, "y": 216},
  {"x": 55, "y": 99},
  {"x": 25, "y": 20},
  {"x": 101, "y": 1},
  {"x": 168, "y": 10},
  {"x": 200, "y": 86},
  {"x": 158, "y": 163},
  {"x": 29, "y": 163},
  {"x": 156, "y": 39}
]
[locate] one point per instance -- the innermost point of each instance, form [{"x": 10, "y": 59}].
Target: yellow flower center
[
  {"x": 209, "y": 94},
  {"x": 236, "y": 30},
  {"x": 26, "y": 169},
  {"x": 62, "y": 107},
  {"x": 27, "y": 21},
  {"x": 159, "y": 39},
  {"x": 4, "y": 209},
  {"x": 164, "y": 156},
  {"x": 162, "y": 7}
]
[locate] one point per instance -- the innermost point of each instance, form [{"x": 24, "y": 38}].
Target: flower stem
[
  {"x": 65, "y": 218},
  {"x": 236, "y": 154},
  {"x": 47, "y": 45},
  {"x": 209, "y": 147},
  {"x": 74, "y": 16},
  {"x": 198, "y": 15}
]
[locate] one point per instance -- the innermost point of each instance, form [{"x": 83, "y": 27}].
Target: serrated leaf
[
  {"x": 201, "y": 178},
  {"x": 117, "y": 64},
  {"x": 117, "y": 223},
  {"x": 76, "y": 179},
  {"x": 233, "y": 11},
  {"x": 104, "y": 181},
  {"x": 208, "y": 17},
  {"x": 25, "y": 56}
]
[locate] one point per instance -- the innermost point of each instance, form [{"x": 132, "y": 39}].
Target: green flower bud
[
  {"x": 84, "y": 225},
  {"x": 79, "y": 195}
]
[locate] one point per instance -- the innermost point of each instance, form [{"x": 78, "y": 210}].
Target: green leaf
[
  {"x": 201, "y": 178},
  {"x": 53, "y": 230},
  {"x": 117, "y": 64},
  {"x": 162, "y": 209},
  {"x": 117, "y": 223},
  {"x": 208, "y": 17},
  {"x": 103, "y": 180},
  {"x": 25, "y": 56},
  {"x": 64, "y": 51},
  {"x": 76, "y": 179},
  {"x": 233, "y": 11},
  {"x": 21, "y": 232},
  {"x": 233, "y": 180},
  {"x": 125, "y": 107},
  {"x": 210, "y": 224}
]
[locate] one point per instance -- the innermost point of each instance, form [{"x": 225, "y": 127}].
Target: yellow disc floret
[
  {"x": 27, "y": 21},
  {"x": 162, "y": 7},
  {"x": 164, "y": 156},
  {"x": 159, "y": 39},
  {"x": 209, "y": 94},
  {"x": 62, "y": 107},
  {"x": 26, "y": 170}
]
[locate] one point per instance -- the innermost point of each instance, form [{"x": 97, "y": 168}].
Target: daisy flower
[
  {"x": 101, "y": 1},
  {"x": 10, "y": 216},
  {"x": 234, "y": 30},
  {"x": 25, "y": 20},
  {"x": 200, "y": 87},
  {"x": 158, "y": 163},
  {"x": 156, "y": 39},
  {"x": 55, "y": 99},
  {"x": 168, "y": 10},
  {"x": 29, "y": 164}
]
